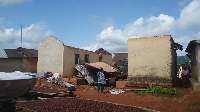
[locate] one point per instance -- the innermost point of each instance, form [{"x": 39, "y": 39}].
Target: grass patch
[{"x": 158, "y": 89}]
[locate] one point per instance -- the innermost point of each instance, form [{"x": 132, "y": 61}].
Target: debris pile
[
  {"x": 122, "y": 65},
  {"x": 56, "y": 78},
  {"x": 90, "y": 70}
]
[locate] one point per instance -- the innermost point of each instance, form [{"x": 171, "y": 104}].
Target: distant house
[
  {"x": 152, "y": 61},
  {"x": 119, "y": 56},
  {"x": 193, "y": 50},
  {"x": 20, "y": 59},
  {"x": 104, "y": 56},
  {"x": 54, "y": 56}
]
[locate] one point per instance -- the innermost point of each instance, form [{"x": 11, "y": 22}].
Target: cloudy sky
[{"x": 91, "y": 24}]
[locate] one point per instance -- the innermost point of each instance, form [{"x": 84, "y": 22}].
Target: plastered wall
[
  {"x": 150, "y": 61},
  {"x": 69, "y": 59},
  {"x": 30, "y": 65},
  {"x": 107, "y": 58},
  {"x": 11, "y": 65},
  {"x": 50, "y": 56},
  {"x": 194, "y": 63},
  {"x": 18, "y": 64}
]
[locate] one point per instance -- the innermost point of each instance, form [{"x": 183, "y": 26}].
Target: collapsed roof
[
  {"x": 106, "y": 67},
  {"x": 90, "y": 70}
]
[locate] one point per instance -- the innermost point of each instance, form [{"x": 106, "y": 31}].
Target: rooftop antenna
[{"x": 21, "y": 35}]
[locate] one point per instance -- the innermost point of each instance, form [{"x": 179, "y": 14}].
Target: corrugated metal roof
[
  {"x": 3, "y": 54},
  {"x": 18, "y": 53},
  {"x": 28, "y": 52},
  {"x": 13, "y": 53}
]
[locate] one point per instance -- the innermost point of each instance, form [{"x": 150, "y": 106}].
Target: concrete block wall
[{"x": 50, "y": 56}]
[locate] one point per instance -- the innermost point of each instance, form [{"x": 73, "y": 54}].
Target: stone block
[{"x": 121, "y": 84}]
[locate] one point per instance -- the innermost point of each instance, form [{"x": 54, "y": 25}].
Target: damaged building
[
  {"x": 120, "y": 61},
  {"x": 193, "y": 52},
  {"x": 20, "y": 59},
  {"x": 119, "y": 56},
  {"x": 54, "y": 56},
  {"x": 152, "y": 61}
]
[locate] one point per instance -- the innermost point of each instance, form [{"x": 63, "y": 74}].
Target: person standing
[
  {"x": 101, "y": 80},
  {"x": 185, "y": 77}
]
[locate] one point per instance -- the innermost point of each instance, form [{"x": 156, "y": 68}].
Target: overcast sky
[{"x": 91, "y": 24}]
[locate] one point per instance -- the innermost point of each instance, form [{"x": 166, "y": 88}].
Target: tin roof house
[{"x": 20, "y": 59}]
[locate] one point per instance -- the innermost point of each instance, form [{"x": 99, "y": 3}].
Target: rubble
[
  {"x": 122, "y": 64},
  {"x": 90, "y": 70}
]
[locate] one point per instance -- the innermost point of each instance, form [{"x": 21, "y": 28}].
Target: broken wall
[
  {"x": 50, "y": 56},
  {"x": 150, "y": 61},
  {"x": 69, "y": 59},
  {"x": 106, "y": 58}
]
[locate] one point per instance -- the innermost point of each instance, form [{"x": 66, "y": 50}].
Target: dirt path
[{"x": 184, "y": 101}]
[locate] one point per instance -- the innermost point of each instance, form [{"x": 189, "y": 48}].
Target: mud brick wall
[{"x": 151, "y": 61}]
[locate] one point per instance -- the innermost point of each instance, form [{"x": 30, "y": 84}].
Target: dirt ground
[{"x": 185, "y": 101}]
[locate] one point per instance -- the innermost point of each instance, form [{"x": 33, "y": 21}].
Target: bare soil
[{"x": 185, "y": 101}]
